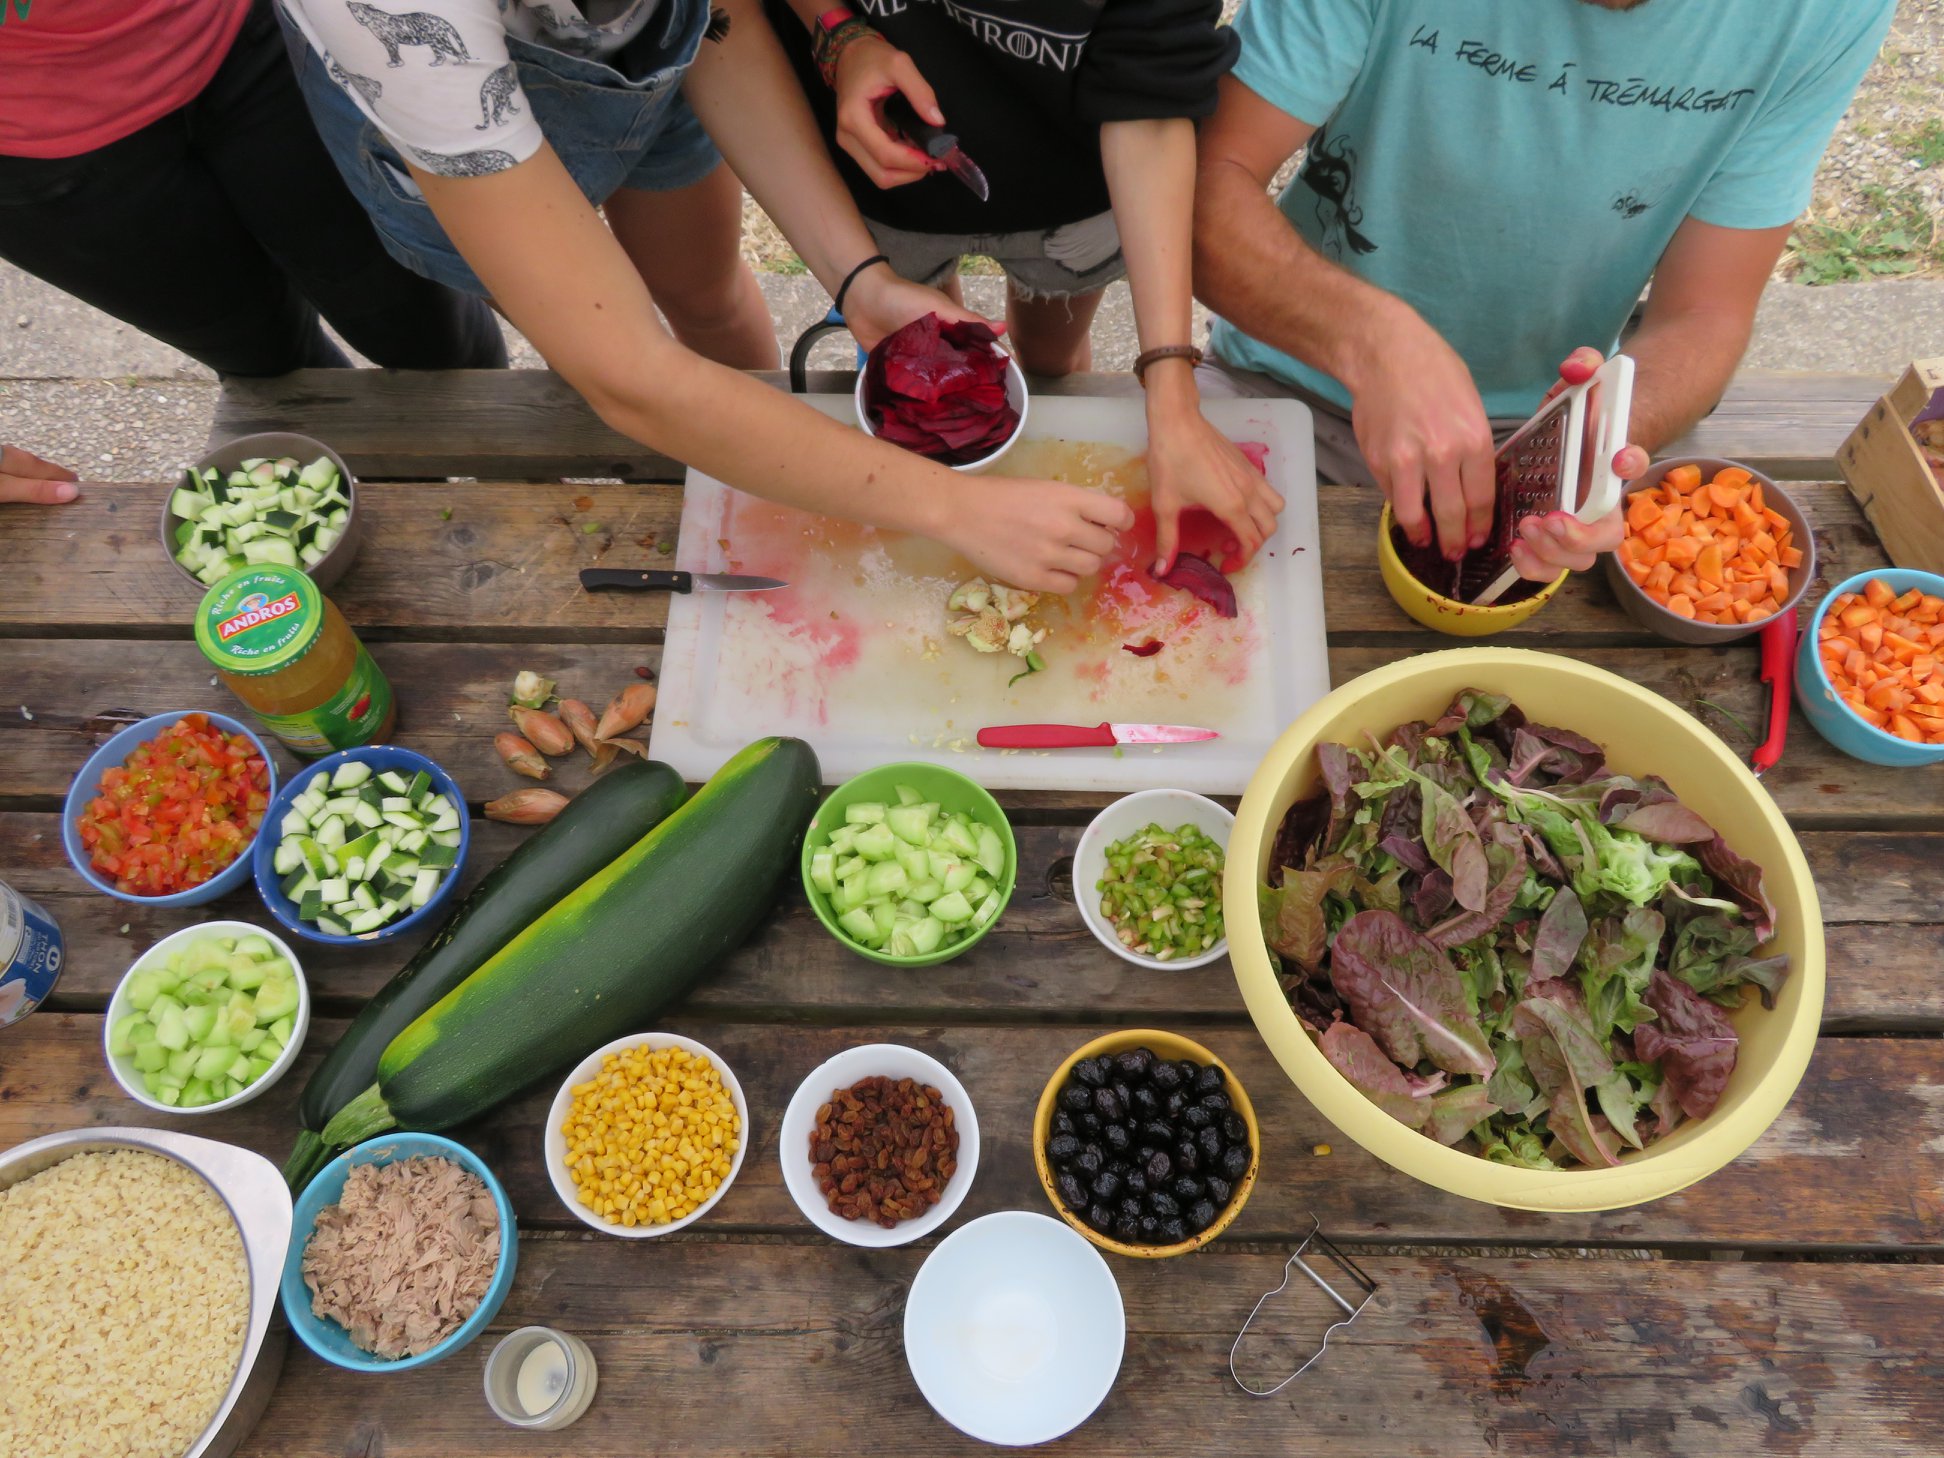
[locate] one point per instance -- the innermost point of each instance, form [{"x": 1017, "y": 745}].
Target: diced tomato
[{"x": 178, "y": 810}]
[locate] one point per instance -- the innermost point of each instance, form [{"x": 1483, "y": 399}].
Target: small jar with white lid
[{"x": 540, "y": 1378}]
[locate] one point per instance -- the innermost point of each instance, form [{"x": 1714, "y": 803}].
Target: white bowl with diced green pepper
[
  {"x": 1160, "y": 855},
  {"x": 361, "y": 845},
  {"x": 270, "y": 498},
  {"x": 207, "y": 1019}
]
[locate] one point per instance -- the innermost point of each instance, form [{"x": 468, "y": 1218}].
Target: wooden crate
[{"x": 1888, "y": 475}]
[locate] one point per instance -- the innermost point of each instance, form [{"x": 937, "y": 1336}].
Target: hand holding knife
[{"x": 935, "y": 142}]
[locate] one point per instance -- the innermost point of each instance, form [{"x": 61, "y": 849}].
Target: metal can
[{"x": 31, "y": 953}]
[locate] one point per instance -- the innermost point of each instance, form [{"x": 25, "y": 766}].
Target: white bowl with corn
[{"x": 646, "y": 1135}]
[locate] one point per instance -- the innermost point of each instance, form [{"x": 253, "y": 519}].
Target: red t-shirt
[{"x": 78, "y": 74}]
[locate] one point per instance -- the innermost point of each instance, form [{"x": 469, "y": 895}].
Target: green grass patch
[
  {"x": 1901, "y": 238},
  {"x": 1924, "y": 145}
]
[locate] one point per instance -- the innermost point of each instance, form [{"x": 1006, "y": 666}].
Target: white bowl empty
[
  {"x": 556, "y": 1142},
  {"x": 130, "y": 1078},
  {"x": 1125, "y": 817},
  {"x": 1014, "y": 1329},
  {"x": 1016, "y": 392},
  {"x": 873, "y": 1060}
]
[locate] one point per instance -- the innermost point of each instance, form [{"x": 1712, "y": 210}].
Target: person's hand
[
  {"x": 1423, "y": 431},
  {"x": 869, "y": 70},
  {"x": 1558, "y": 541},
  {"x": 1043, "y": 536},
  {"x": 880, "y": 302},
  {"x": 25, "y": 477},
  {"x": 1191, "y": 463}
]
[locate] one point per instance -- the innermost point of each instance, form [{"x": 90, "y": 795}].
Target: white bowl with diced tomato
[{"x": 207, "y": 1019}]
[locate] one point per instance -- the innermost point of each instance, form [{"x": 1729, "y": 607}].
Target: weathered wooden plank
[
  {"x": 708, "y": 1347},
  {"x": 1878, "y": 891},
  {"x": 456, "y": 701},
  {"x": 502, "y": 566},
  {"x": 530, "y": 424},
  {"x": 1855, "y": 1162}
]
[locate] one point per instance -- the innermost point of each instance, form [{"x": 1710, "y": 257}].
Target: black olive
[
  {"x": 1091, "y": 1071},
  {"x": 1150, "y": 1230},
  {"x": 1174, "y": 1231},
  {"x": 1188, "y": 1069},
  {"x": 1208, "y": 1080},
  {"x": 1089, "y": 1160},
  {"x": 1101, "y": 1217},
  {"x": 1107, "y": 1104},
  {"x": 1187, "y": 1189},
  {"x": 1159, "y": 1167},
  {"x": 1165, "y": 1077},
  {"x": 1215, "y": 1103},
  {"x": 1187, "y": 1158},
  {"x": 1061, "y": 1148},
  {"x": 1076, "y": 1098},
  {"x": 1219, "y": 1190},
  {"x": 1233, "y": 1128},
  {"x": 1196, "y": 1117},
  {"x": 1164, "y": 1204},
  {"x": 1135, "y": 1182},
  {"x": 1106, "y": 1185},
  {"x": 1062, "y": 1122},
  {"x": 1235, "y": 1163},
  {"x": 1146, "y": 1102},
  {"x": 1177, "y": 1101},
  {"x": 1127, "y": 1230},
  {"x": 1071, "y": 1190},
  {"x": 1201, "y": 1215},
  {"x": 1089, "y": 1123},
  {"x": 1121, "y": 1167},
  {"x": 1123, "y": 1090},
  {"x": 1210, "y": 1140},
  {"x": 1117, "y": 1137},
  {"x": 1159, "y": 1134},
  {"x": 1130, "y": 1208},
  {"x": 1135, "y": 1063}
]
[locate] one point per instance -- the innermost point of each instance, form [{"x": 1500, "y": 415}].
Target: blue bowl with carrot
[{"x": 1844, "y": 723}]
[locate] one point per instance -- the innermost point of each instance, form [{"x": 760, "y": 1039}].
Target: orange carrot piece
[
  {"x": 1681, "y": 605},
  {"x": 1877, "y": 593}
]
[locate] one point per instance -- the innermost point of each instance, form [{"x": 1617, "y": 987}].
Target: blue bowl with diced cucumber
[
  {"x": 207, "y": 1019},
  {"x": 362, "y": 845},
  {"x": 268, "y": 498},
  {"x": 909, "y": 864}
]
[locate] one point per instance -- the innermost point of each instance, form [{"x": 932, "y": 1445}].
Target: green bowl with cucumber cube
[
  {"x": 909, "y": 864},
  {"x": 272, "y": 497},
  {"x": 207, "y": 1019},
  {"x": 362, "y": 845}
]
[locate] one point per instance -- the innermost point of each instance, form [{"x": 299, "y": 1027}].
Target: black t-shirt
[{"x": 1026, "y": 84}]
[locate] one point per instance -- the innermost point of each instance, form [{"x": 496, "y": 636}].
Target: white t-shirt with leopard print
[{"x": 434, "y": 75}]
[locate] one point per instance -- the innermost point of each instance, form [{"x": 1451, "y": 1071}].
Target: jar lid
[{"x": 259, "y": 620}]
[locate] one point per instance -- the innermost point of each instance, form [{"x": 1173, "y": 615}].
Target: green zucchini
[
  {"x": 598, "y": 824},
  {"x": 629, "y": 942}
]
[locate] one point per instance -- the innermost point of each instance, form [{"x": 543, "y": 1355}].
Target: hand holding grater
[{"x": 1560, "y": 460}]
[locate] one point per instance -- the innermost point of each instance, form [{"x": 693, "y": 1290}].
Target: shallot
[
  {"x": 548, "y": 734},
  {"x": 520, "y": 756},
  {"x": 633, "y": 704},
  {"x": 526, "y": 807}
]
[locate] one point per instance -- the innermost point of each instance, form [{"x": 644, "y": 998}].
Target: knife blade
[
  {"x": 936, "y": 143},
  {"x": 597, "y": 579},
  {"x": 1081, "y": 736}
]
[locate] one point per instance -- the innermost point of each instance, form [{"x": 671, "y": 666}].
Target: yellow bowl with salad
[{"x": 1632, "y": 733}]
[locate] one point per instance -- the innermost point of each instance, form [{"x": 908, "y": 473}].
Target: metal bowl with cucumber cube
[
  {"x": 362, "y": 845},
  {"x": 909, "y": 864},
  {"x": 207, "y": 1019},
  {"x": 273, "y": 497}
]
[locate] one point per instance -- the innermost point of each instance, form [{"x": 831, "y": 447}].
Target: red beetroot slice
[
  {"x": 1143, "y": 650},
  {"x": 938, "y": 388},
  {"x": 1200, "y": 578}
]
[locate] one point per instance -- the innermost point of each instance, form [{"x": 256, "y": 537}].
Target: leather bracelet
[
  {"x": 1164, "y": 351},
  {"x": 850, "y": 278},
  {"x": 827, "y": 46}
]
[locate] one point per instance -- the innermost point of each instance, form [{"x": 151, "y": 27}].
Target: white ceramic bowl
[
  {"x": 1016, "y": 392},
  {"x": 556, "y": 1142},
  {"x": 1132, "y": 813},
  {"x": 881, "y": 1060},
  {"x": 130, "y": 1078},
  {"x": 1014, "y": 1329}
]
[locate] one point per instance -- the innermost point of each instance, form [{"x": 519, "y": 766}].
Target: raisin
[
  {"x": 1150, "y": 1230},
  {"x": 1164, "y": 1204},
  {"x": 1210, "y": 1140},
  {"x": 1089, "y": 1160},
  {"x": 1159, "y": 1167},
  {"x": 1196, "y": 1117},
  {"x": 1135, "y": 1063},
  {"x": 1165, "y": 1077},
  {"x": 1219, "y": 1190},
  {"x": 1118, "y": 1139},
  {"x": 1076, "y": 1098},
  {"x": 1106, "y": 1185},
  {"x": 1127, "y": 1230},
  {"x": 1061, "y": 1148},
  {"x": 1071, "y": 1190},
  {"x": 1101, "y": 1217},
  {"x": 1174, "y": 1231},
  {"x": 1235, "y": 1162},
  {"x": 1208, "y": 1080},
  {"x": 1092, "y": 1072},
  {"x": 1187, "y": 1189},
  {"x": 1233, "y": 1128},
  {"x": 1107, "y": 1104},
  {"x": 1201, "y": 1215}
]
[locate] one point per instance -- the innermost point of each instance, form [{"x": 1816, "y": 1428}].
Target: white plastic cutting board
[{"x": 854, "y": 656}]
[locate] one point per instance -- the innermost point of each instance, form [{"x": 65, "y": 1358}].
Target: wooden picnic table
[{"x": 1789, "y": 1304}]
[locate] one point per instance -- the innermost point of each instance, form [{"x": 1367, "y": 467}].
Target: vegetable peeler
[
  {"x": 1779, "y": 639},
  {"x": 1351, "y": 1271}
]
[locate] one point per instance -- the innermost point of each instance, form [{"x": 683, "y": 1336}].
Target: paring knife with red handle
[
  {"x": 1779, "y": 640},
  {"x": 1081, "y": 736},
  {"x": 936, "y": 143}
]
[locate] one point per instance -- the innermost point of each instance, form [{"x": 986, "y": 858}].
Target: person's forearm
[
  {"x": 749, "y": 101},
  {"x": 1257, "y": 272},
  {"x": 1682, "y": 364},
  {"x": 1150, "y": 168}
]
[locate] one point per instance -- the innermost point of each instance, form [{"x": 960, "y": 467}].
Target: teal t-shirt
[{"x": 1515, "y": 171}]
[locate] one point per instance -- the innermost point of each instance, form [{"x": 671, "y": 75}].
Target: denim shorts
[
  {"x": 1044, "y": 263},
  {"x": 617, "y": 122}
]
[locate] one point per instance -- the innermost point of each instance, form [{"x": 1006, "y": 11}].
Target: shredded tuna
[{"x": 405, "y": 1255}]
